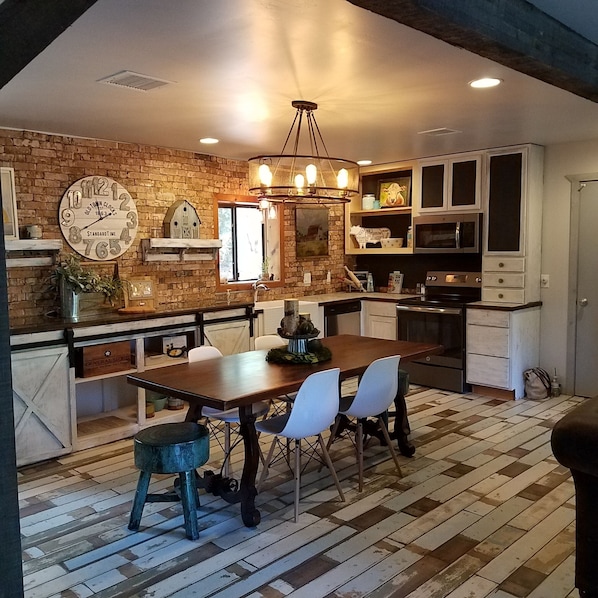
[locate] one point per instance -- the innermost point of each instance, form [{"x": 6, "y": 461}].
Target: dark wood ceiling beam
[
  {"x": 27, "y": 27},
  {"x": 513, "y": 33}
]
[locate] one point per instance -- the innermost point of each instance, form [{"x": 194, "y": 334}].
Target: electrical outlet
[
  {"x": 544, "y": 281},
  {"x": 307, "y": 278}
]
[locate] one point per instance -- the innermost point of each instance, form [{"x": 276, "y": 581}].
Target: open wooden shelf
[
  {"x": 29, "y": 250},
  {"x": 179, "y": 250}
]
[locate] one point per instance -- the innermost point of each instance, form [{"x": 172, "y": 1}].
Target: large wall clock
[{"x": 98, "y": 218}]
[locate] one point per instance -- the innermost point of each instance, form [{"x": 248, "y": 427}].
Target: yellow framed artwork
[{"x": 395, "y": 193}]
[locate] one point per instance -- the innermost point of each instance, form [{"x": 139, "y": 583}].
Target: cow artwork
[{"x": 365, "y": 235}]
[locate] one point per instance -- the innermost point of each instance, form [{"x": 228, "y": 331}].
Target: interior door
[{"x": 586, "y": 347}]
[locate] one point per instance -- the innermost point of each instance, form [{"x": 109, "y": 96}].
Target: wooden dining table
[{"x": 242, "y": 379}]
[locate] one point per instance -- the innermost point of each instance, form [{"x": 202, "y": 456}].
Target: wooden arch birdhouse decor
[{"x": 181, "y": 221}]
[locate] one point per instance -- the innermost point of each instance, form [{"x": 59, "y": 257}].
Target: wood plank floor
[{"x": 482, "y": 510}]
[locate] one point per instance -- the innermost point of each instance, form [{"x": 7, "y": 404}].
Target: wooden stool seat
[{"x": 170, "y": 448}]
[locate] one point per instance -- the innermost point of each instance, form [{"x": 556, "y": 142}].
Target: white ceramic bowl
[{"x": 392, "y": 242}]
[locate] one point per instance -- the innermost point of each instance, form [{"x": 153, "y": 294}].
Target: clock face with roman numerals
[{"x": 98, "y": 218}]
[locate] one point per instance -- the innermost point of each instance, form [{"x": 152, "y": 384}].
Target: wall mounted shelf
[
  {"x": 26, "y": 247},
  {"x": 179, "y": 250}
]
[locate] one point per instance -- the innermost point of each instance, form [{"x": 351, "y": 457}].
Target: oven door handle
[{"x": 449, "y": 311}]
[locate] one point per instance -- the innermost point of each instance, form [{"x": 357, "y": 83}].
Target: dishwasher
[{"x": 342, "y": 318}]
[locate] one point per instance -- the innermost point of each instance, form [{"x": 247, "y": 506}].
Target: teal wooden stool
[{"x": 170, "y": 448}]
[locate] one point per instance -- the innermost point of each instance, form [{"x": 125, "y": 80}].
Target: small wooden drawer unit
[{"x": 96, "y": 360}]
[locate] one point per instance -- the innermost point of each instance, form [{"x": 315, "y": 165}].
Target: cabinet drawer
[
  {"x": 503, "y": 264},
  {"x": 502, "y": 280},
  {"x": 488, "y": 371},
  {"x": 503, "y": 295},
  {"x": 487, "y": 340},
  {"x": 488, "y": 317},
  {"x": 381, "y": 308}
]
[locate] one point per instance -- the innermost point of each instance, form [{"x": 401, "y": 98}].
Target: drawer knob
[
  {"x": 501, "y": 280},
  {"x": 501, "y": 264},
  {"x": 500, "y": 296}
]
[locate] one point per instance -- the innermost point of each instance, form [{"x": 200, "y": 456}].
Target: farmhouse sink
[{"x": 273, "y": 312}]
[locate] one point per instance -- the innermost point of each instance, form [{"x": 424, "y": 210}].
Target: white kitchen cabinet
[
  {"x": 379, "y": 319},
  {"x": 228, "y": 337},
  {"x": 453, "y": 183},
  {"x": 270, "y": 313},
  {"x": 501, "y": 345},
  {"x": 511, "y": 261},
  {"x": 44, "y": 419}
]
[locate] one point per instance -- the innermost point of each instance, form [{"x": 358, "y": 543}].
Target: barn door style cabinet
[{"x": 44, "y": 420}]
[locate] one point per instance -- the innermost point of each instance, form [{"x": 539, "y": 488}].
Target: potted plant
[{"x": 70, "y": 278}]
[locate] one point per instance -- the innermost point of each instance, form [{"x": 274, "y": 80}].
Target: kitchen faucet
[{"x": 256, "y": 289}]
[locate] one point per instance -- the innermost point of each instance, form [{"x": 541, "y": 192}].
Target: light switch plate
[
  {"x": 544, "y": 281},
  {"x": 307, "y": 278}
]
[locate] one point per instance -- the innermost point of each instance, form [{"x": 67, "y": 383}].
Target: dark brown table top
[{"x": 245, "y": 378}]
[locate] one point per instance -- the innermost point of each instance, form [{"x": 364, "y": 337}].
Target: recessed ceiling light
[
  {"x": 364, "y": 162},
  {"x": 485, "y": 82},
  {"x": 209, "y": 140}
]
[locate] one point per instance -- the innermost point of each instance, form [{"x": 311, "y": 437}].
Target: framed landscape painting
[{"x": 311, "y": 226}]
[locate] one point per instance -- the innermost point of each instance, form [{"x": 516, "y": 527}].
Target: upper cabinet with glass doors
[{"x": 453, "y": 183}]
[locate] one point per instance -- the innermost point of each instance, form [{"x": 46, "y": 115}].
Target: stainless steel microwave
[{"x": 447, "y": 233}]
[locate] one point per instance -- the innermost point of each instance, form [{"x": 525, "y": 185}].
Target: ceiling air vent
[
  {"x": 438, "y": 132},
  {"x": 132, "y": 80}
]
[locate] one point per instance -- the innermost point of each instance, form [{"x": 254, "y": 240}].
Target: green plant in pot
[{"x": 70, "y": 278}]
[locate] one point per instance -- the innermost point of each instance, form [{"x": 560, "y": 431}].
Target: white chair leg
[
  {"x": 297, "y": 476},
  {"x": 389, "y": 444},
  {"x": 330, "y": 465}
]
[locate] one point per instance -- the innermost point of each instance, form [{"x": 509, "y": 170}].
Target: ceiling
[{"x": 234, "y": 66}]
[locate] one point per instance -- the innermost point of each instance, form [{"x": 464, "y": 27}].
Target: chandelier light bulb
[
  {"x": 342, "y": 178},
  {"x": 265, "y": 175},
  {"x": 312, "y": 174},
  {"x": 299, "y": 182}
]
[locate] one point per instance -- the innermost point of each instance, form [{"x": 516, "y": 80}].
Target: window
[
  {"x": 251, "y": 241},
  {"x": 241, "y": 230}
]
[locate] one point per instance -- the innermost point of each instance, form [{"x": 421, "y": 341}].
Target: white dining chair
[
  {"x": 269, "y": 341},
  {"x": 314, "y": 410},
  {"x": 375, "y": 393},
  {"x": 229, "y": 416}
]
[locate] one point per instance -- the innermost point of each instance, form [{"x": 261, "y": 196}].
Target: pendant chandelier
[{"x": 303, "y": 178}]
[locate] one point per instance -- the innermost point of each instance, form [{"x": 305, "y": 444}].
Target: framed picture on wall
[
  {"x": 395, "y": 193},
  {"x": 311, "y": 231},
  {"x": 9, "y": 203}
]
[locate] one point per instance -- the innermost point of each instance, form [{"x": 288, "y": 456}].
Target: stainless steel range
[{"x": 439, "y": 317}]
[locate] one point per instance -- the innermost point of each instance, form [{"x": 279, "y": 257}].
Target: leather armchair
[{"x": 575, "y": 445}]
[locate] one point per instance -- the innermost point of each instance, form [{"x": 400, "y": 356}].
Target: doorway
[{"x": 586, "y": 289}]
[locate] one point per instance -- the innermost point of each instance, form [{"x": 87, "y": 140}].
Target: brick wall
[{"x": 45, "y": 166}]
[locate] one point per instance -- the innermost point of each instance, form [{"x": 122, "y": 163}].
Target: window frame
[{"x": 229, "y": 200}]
